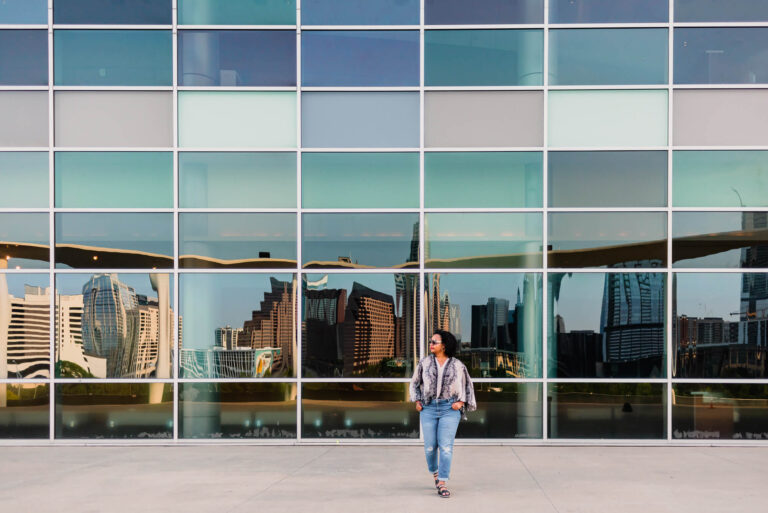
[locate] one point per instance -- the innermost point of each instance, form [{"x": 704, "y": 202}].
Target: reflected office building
[{"x": 24, "y": 331}]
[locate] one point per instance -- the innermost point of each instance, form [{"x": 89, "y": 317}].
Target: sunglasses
[{"x": 434, "y": 342}]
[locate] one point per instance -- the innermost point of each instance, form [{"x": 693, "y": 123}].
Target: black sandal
[
  {"x": 443, "y": 492},
  {"x": 436, "y": 479}
]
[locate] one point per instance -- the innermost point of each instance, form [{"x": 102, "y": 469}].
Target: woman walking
[{"x": 443, "y": 392}]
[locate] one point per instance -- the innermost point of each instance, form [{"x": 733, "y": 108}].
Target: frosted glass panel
[
  {"x": 720, "y": 117},
  {"x": 720, "y": 178},
  {"x": 24, "y": 119},
  {"x": 25, "y": 180}
]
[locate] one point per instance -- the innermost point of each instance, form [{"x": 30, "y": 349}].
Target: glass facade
[{"x": 242, "y": 219}]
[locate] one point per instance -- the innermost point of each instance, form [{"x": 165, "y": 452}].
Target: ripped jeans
[{"x": 439, "y": 423}]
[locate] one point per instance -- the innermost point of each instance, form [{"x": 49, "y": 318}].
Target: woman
[{"x": 443, "y": 391}]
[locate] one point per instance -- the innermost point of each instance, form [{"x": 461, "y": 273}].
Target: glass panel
[
  {"x": 720, "y": 178},
  {"x": 237, "y": 180},
  {"x": 237, "y": 119},
  {"x": 25, "y": 118},
  {"x": 355, "y": 12},
  {"x": 608, "y": 325},
  {"x": 483, "y": 57},
  {"x": 237, "y": 58},
  {"x": 360, "y": 58},
  {"x": 721, "y": 325},
  {"x": 238, "y": 325},
  {"x": 608, "y": 56},
  {"x": 114, "y": 325},
  {"x": 483, "y": 240},
  {"x": 357, "y": 410},
  {"x": 90, "y": 179},
  {"x": 496, "y": 319},
  {"x": 237, "y": 240},
  {"x": 712, "y": 411},
  {"x": 112, "y": 12},
  {"x": 721, "y": 55},
  {"x": 25, "y": 180},
  {"x": 483, "y": 179},
  {"x": 114, "y": 410},
  {"x": 237, "y": 12},
  {"x": 608, "y": 179},
  {"x": 720, "y": 239},
  {"x": 360, "y": 120},
  {"x": 25, "y": 316},
  {"x": 608, "y": 118},
  {"x": 475, "y": 12},
  {"x": 622, "y": 411},
  {"x": 24, "y": 241},
  {"x": 360, "y": 325},
  {"x": 725, "y": 117},
  {"x": 360, "y": 180},
  {"x": 608, "y": 239},
  {"x": 24, "y": 410},
  {"x": 504, "y": 410},
  {"x": 124, "y": 240},
  {"x": 237, "y": 410},
  {"x": 28, "y": 12},
  {"x": 360, "y": 240},
  {"x": 23, "y": 57},
  {"x": 608, "y": 11},
  {"x": 483, "y": 119},
  {"x": 112, "y": 57},
  {"x": 717, "y": 10}
]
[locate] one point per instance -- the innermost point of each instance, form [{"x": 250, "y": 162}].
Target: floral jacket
[{"x": 457, "y": 384}]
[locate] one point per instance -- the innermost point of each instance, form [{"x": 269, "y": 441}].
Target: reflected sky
[
  {"x": 708, "y": 295},
  {"x": 589, "y": 230},
  {"x": 152, "y": 233},
  {"x": 17, "y": 281}
]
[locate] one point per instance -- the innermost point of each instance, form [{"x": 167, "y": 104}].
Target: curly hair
[{"x": 449, "y": 342}]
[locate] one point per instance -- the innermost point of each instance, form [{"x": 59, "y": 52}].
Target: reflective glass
[
  {"x": 238, "y": 325},
  {"x": 608, "y": 239},
  {"x": 355, "y": 12},
  {"x": 112, "y": 12},
  {"x": 359, "y": 241},
  {"x": 607, "y": 179},
  {"x": 237, "y": 58},
  {"x": 90, "y": 179},
  {"x": 608, "y": 11},
  {"x": 504, "y": 410},
  {"x": 360, "y": 58},
  {"x": 720, "y": 178},
  {"x": 717, "y": 10},
  {"x": 719, "y": 411},
  {"x": 483, "y": 240},
  {"x": 721, "y": 55},
  {"x": 237, "y": 410},
  {"x": 360, "y": 119},
  {"x": 720, "y": 239},
  {"x": 23, "y": 57},
  {"x": 475, "y": 12},
  {"x": 721, "y": 325},
  {"x": 483, "y": 57},
  {"x": 112, "y": 57},
  {"x": 608, "y": 56},
  {"x": 27, "y": 12},
  {"x": 24, "y": 176},
  {"x": 25, "y": 317},
  {"x": 237, "y": 12},
  {"x": 360, "y": 180},
  {"x": 115, "y": 240},
  {"x": 357, "y": 410},
  {"x": 114, "y": 410},
  {"x": 608, "y": 325},
  {"x": 359, "y": 325},
  {"x": 114, "y": 325},
  {"x": 482, "y": 179},
  {"x": 237, "y": 240},
  {"x": 24, "y": 241},
  {"x": 720, "y": 117},
  {"x": 25, "y": 118},
  {"x": 24, "y": 410},
  {"x": 495, "y": 317},
  {"x": 237, "y": 180},
  {"x": 623, "y": 411}
]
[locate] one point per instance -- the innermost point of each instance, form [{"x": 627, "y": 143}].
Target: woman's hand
[
  {"x": 419, "y": 407},
  {"x": 457, "y": 405}
]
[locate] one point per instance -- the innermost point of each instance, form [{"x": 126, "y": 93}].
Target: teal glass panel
[
  {"x": 505, "y": 410},
  {"x": 608, "y": 56},
  {"x": 720, "y": 178},
  {"x": 483, "y": 179},
  {"x": 237, "y": 12},
  {"x": 483, "y": 240},
  {"x": 608, "y": 11},
  {"x": 720, "y": 239},
  {"x": 25, "y": 180},
  {"x": 718, "y": 10},
  {"x": 360, "y": 180},
  {"x": 25, "y": 300},
  {"x": 237, "y": 180},
  {"x": 24, "y": 240},
  {"x": 25, "y": 413},
  {"x": 26, "y": 12},
  {"x": 112, "y": 57},
  {"x": 90, "y": 179},
  {"x": 712, "y": 411},
  {"x": 356, "y": 12},
  {"x": 483, "y": 57}
]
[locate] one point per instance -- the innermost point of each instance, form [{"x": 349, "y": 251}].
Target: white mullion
[
  {"x": 175, "y": 353},
  {"x": 422, "y": 294},
  {"x": 299, "y": 239},
  {"x": 51, "y": 235},
  {"x": 669, "y": 331},
  {"x": 545, "y": 233}
]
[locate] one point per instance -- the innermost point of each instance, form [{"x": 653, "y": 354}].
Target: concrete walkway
[{"x": 361, "y": 479}]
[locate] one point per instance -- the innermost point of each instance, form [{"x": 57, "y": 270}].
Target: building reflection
[{"x": 24, "y": 332}]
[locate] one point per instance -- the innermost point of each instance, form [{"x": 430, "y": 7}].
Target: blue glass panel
[
  {"x": 721, "y": 55},
  {"x": 25, "y": 12},
  {"x": 24, "y": 57},
  {"x": 113, "y": 57},
  {"x": 719, "y": 10},
  {"x": 489, "y": 12},
  {"x": 112, "y": 12},
  {"x": 608, "y": 11},
  {"x": 360, "y": 12},
  {"x": 237, "y": 58},
  {"x": 237, "y": 12},
  {"x": 360, "y": 58}
]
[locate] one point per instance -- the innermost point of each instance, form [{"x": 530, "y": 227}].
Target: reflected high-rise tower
[
  {"x": 369, "y": 329},
  {"x": 753, "y": 312},
  {"x": 273, "y": 325}
]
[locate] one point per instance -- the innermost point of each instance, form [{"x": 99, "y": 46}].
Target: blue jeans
[{"x": 439, "y": 423}]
